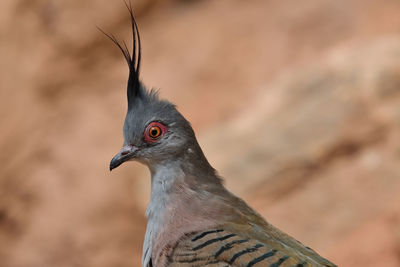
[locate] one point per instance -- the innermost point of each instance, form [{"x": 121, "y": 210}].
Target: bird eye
[{"x": 154, "y": 131}]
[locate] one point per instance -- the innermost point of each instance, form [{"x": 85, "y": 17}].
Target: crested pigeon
[{"x": 193, "y": 220}]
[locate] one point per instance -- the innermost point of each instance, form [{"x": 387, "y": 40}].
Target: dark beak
[{"x": 127, "y": 152}]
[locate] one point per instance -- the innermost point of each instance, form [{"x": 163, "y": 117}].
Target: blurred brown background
[{"x": 296, "y": 103}]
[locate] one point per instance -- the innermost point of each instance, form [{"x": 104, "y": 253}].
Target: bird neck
[
  {"x": 175, "y": 184},
  {"x": 173, "y": 176},
  {"x": 189, "y": 165}
]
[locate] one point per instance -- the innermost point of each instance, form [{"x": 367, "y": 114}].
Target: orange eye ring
[{"x": 154, "y": 132}]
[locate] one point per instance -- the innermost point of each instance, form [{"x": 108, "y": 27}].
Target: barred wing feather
[{"x": 223, "y": 248}]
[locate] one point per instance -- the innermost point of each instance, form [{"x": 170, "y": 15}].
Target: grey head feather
[{"x": 145, "y": 107}]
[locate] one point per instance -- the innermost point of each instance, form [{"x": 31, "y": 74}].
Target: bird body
[
  {"x": 193, "y": 220},
  {"x": 199, "y": 222}
]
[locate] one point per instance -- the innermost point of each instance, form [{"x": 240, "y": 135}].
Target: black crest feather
[{"x": 133, "y": 88}]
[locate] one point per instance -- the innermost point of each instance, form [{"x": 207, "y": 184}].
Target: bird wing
[{"x": 224, "y": 248}]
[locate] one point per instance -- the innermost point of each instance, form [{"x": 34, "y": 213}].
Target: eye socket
[{"x": 154, "y": 131}]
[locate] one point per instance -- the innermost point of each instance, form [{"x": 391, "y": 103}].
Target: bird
[{"x": 192, "y": 218}]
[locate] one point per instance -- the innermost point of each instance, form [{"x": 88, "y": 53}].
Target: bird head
[{"x": 154, "y": 130}]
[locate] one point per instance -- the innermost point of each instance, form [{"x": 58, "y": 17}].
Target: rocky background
[{"x": 296, "y": 103}]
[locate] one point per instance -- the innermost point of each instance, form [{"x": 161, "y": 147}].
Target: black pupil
[{"x": 154, "y": 132}]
